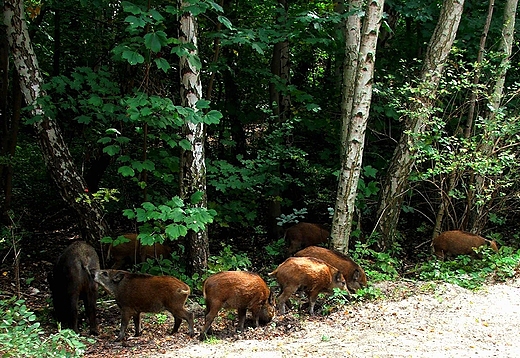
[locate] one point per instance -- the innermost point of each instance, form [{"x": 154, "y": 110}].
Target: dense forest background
[{"x": 273, "y": 136}]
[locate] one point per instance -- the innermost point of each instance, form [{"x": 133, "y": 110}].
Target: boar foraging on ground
[
  {"x": 136, "y": 293},
  {"x": 305, "y": 234},
  {"x": 72, "y": 280},
  {"x": 353, "y": 273},
  {"x": 456, "y": 242},
  {"x": 133, "y": 252},
  {"x": 239, "y": 290},
  {"x": 311, "y": 274}
]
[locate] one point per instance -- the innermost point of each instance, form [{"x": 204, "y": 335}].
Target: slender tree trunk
[
  {"x": 55, "y": 151},
  {"x": 479, "y": 213},
  {"x": 468, "y": 128},
  {"x": 357, "y": 94},
  {"x": 396, "y": 183},
  {"x": 281, "y": 110},
  {"x": 193, "y": 166}
]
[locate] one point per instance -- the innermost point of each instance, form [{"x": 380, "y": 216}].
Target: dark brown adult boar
[
  {"x": 456, "y": 242},
  {"x": 353, "y": 273},
  {"x": 133, "y": 252},
  {"x": 305, "y": 234},
  {"x": 311, "y": 274},
  {"x": 72, "y": 280},
  {"x": 136, "y": 293},
  {"x": 240, "y": 290}
]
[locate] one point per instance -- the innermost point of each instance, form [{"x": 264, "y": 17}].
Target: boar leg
[
  {"x": 288, "y": 291},
  {"x": 73, "y": 311},
  {"x": 312, "y": 301},
  {"x": 90, "y": 310},
  {"x": 241, "y": 319},
  {"x": 211, "y": 313},
  {"x": 137, "y": 324},
  {"x": 125, "y": 318},
  {"x": 188, "y": 317}
]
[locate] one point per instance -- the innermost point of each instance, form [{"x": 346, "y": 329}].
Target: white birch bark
[{"x": 357, "y": 95}]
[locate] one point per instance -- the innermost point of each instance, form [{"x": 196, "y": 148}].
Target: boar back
[
  {"x": 305, "y": 234},
  {"x": 456, "y": 242}
]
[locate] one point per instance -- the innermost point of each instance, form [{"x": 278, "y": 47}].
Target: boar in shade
[
  {"x": 311, "y": 274},
  {"x": 129, "y": 253},
  {"x": 353, "y": 273},
  {"x": 240, "y": 290},
  {"x": 456, "y": 242},
  {"x": 136, "y": 293},
  {"x": 305, "y": 234},
  {"x": 72, "y": 280}
]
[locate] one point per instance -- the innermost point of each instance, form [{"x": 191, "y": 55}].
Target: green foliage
[
  {"x": 228, "y": 260},
  {"x": 472, "y": 273},
  {"x": 22, "y": 336},
  {"x": 379, "y": 266},
  {"x": 173, "y": 218}
]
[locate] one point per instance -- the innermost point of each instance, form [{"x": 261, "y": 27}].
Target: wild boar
[
  {"x": 72, "y": 280},
  {"x": 311, "y": 274},
  {"x": 353, "y": 273},
  {"x": 305, "y": 234},
  {"x": 239, "y": 290},
  {"x": 133, "y": 252},
  {"x": 456, "y": 242},
  {"x": 136, "y": 293}
]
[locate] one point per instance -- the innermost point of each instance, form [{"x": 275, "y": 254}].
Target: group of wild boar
[{"x": 311, "y": 268}]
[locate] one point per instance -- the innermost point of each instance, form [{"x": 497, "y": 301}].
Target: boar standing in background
[
  {"x": 304, "y": 234},
  {"x": 72, "y": 280},
  {"x": 311, "y": 274},
  {"x": 133, "y": 252},
  {"x": 457, "y": 242},
  {"x": 136, "y": 293},
  {"x": 353, "y": 273},
  {"x": 239, "y": 290}
]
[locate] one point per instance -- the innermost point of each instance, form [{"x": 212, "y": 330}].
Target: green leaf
[
  {"x": 135, "y": 22},
  {"x": 133, "y": 57},
  {"x": 212, "y": 117},
  {"x": 112, "y": 150},
  {"x": 131, "y": 8},
  {"x": 225, "y": 21},
  {"x": 257, "y": 48},
  {"x": 175, "y": 231},
  {"x": 194, "y": 61},
  {"x": 185, "y": 144},
  {"x": 155, "y": 40},
  {"x": 162, "y": 64},
  {"x": 84, "y": 119},
  {"x": 196, "y": 197},
  {"x": 126, "y": 171}
]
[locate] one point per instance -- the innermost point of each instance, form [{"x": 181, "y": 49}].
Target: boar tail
[{"x": 273, "y": 273}]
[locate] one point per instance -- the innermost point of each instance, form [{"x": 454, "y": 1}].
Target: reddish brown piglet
[
  {"x": 311, "y": 274},
  {"x": 456, "y": 242},
  {"x": 136, "y": 293},
  {"x": 305, "y": 234},
  {"x": 239, "y": 290},
  {"x": 353, "y": 273}
]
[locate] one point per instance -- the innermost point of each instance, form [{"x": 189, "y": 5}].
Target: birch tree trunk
[
  {"x": 54, "y": 149},
  {"x": 360, "y": 55},
  {"x": 396, "y": 183},
  {"x": 193, "y": 166},
  {"x": 479, "y": 213}
]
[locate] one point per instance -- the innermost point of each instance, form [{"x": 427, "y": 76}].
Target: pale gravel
[{"x": 418, "y": 320}]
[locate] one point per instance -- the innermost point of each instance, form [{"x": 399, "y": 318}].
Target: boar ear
[
  {"x": 118, "y": 277},
  {"x": 337, "y": 277},
  {"x": 356, "y": 275}
]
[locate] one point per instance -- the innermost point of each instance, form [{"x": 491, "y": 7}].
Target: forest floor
[{"x": 412, "y": 319}]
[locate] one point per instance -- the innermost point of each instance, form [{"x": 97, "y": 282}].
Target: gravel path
[{"x": 419, "y": 320}]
